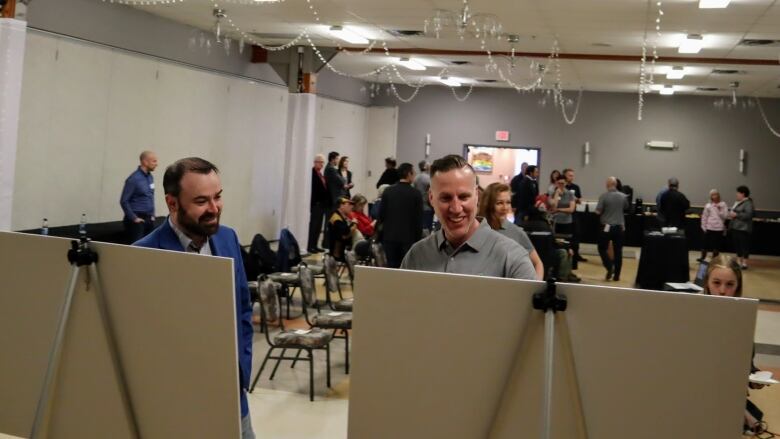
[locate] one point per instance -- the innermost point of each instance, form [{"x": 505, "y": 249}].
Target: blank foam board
[{"x": 174, "y": 317}]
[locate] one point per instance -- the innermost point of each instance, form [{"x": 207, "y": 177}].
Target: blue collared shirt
[{"x": 138, "y": 195}]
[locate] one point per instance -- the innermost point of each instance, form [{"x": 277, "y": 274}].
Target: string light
[
  {"x": 645, "y": 81},
  {"x": 464, "y": 98},
  {"x": 492, "y": 30},
  {"x": 144, "y": 2},
  {"x": 766, "y": 120}
]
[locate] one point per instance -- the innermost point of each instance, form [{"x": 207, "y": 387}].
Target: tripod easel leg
[
  {"x": 549, "y": 358},
  {"x": 79, "y": 256},
  {"x": 42, "y": 409}
]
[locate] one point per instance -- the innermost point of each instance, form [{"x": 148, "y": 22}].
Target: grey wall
[
  {"x": 133, "y": 29},
  {"x": 709, "y": 139},
  {"x": 139, "y": 31},
  {"x": 342, "y": 88}
]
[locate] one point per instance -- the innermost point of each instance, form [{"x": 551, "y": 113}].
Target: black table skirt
[
  {"x": 664, "y": 259},
  {"x": 765, "y": 239}
]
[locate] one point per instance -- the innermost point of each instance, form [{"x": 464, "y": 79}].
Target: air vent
[
  {"x": 487, "y": 81},
  {"x": 728, "y": 72},
  {"x": 707, "y": 88},
  {"x": 601, "y": 45},
  {"x": 406, "y": 33},
  {"x": 755, "y": 42},
  {"x": 460, "y": 63}
]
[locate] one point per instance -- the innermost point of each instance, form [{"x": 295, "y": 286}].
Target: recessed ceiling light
[
  {"x": 446, "y": 80},
  {"x": 713, "y": 4},
  {"x": 348, "y": 35},
  {"x": 692, "y": 44},
  {"x": 410, "y": 64},
  {"x": 676, "y": 72},
  {"x": 667, "y": 90}
]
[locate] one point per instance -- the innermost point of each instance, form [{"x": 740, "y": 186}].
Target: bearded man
[{"x": 193, "y": 194}]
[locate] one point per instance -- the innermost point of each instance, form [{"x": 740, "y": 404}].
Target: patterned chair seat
[
  {"x": 317, "y": 270},
  {"x": 285, "y": 278},
  {"x": 334, "y": 320},
  {"x": 344, "y": 305},
  {"x": 310, "y": 338}
]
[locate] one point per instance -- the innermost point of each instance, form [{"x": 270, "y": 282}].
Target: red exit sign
[{"x": 502, "y": 136}]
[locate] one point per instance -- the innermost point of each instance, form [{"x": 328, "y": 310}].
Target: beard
[{"x": 198, "y": 226}]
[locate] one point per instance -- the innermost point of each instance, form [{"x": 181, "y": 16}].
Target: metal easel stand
[
  {"x": 80, "y": 255},
  {"x": 549, "y": 302}
]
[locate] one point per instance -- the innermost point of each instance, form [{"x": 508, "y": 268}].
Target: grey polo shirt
[
  {"x": 612, "y": 205},
  {"x": 486, "y": 253},
  {"x": 516, "y": 234}
]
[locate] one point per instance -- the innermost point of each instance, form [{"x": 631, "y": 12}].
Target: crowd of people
[
  {"x": 403, "y": 214},
  {"x": 475, "y": 235}
]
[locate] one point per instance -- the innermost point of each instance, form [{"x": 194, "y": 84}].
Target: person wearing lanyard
[
  {"x": 137, "y": 198},
  {"x": 610, "y": 208},
  {"x": 193, "y": 194}
]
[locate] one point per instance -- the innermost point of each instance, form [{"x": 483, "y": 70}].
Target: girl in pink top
[{"x": 712, "y": 223}]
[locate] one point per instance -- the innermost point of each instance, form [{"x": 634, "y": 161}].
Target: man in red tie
[{"x": 320, "y": 203}]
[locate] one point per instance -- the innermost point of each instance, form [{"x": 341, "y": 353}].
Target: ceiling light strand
[
  {"x": 492, "y": 66},
  {"x": 775, "y": 132},
  {"x": 335, "y": 70},
  {"x": 248, "y": 37},
  {"x": 464, "y": 98},
  {"x": 566, "y": 118},
  {"x": 144, "y": 2}
]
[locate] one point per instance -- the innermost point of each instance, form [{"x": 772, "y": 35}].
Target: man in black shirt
[
  {"x": 333, "y": 180},
  {"x": 673, "y": 206},
  {"x": 320, "y": 203},
  {"x": 514, "y": 185},
  {"x": 390, "y": 176},
  {"x": 526, "y": 195},
  {"x": 575, "y": 237},
  {"x": 400, "y": 214}
]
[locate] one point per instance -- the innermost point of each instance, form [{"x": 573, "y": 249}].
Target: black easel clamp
[
  {"x": 549, "y": 300},
  {"x": 80, "y": 254}
]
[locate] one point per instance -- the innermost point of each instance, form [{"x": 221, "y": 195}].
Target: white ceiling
[{"x": 594, "y": 27}]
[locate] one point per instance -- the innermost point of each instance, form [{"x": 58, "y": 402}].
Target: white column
[
  {"x": 12, "y": 39},
  {"x": 299, "y": 156}
]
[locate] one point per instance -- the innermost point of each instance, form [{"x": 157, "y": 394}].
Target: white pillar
[
  {"x": 299, "y": 156},
  {"x": 12, "y": 39}
]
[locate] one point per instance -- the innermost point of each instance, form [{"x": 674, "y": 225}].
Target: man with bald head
[
  {"x": 137, "y": 198},
  {"x": 610, "y": 208},
  {"x": 465, "y": 244}
]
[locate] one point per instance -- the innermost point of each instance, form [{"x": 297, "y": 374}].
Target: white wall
[
  {"x": 382, "y": 132},
  {"x": 87, "y": 112},
  {"x": 342, "y": 127}
]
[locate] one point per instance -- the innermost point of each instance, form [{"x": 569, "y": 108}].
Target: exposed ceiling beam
[{"x": 579, "y": 56}]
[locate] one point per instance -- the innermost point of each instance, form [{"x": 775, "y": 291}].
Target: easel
[
  {"x": 550, "y": 302},
  {"x": 80, "y": 255}
]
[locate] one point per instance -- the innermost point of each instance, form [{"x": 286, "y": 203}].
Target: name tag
[{"x": 151, "y": 186}]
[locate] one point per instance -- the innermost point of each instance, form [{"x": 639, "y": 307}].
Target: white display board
[
  {"x": 174, "y": 318},
  {"x": 454, "y": 356}
]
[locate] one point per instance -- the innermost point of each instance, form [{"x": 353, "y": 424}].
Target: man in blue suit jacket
[{"x": 193, "y": 193}]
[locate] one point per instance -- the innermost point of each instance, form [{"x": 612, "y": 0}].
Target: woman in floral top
[{"x": 712, "y": 223}]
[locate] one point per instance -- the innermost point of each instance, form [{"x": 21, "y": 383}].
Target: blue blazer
[{"x": 224, "y": 243}]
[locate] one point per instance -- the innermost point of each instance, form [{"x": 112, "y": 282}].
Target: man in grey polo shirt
[
  {"x": 464, "y": 244},
  {"x": 610, "y": 208}
]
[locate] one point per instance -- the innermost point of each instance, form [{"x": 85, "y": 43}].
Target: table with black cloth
[
  {"x": 544, "y": 244},
  {"x": 664, "y": 259}
]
